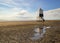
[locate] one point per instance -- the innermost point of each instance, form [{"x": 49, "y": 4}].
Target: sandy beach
[{"x": 20, "y": 32}]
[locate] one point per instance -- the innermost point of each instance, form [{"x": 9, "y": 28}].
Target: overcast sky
[{"x": 25, "y": 9}]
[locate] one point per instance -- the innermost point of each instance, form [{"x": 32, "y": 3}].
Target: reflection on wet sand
[{"x": 39, "y": 33}]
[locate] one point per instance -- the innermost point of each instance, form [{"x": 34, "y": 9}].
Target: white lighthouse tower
[{"x": 41, "y": 14}]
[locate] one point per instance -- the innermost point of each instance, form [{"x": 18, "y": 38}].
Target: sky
[{"x": 25, "y": 9}]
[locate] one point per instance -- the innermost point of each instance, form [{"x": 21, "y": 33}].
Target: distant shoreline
[
  {"x": 29, "y": 21},
  {"x": 14, "y": 23}
]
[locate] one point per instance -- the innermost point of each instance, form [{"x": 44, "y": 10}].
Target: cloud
[
  {"x": 15, "y": 3},
  {"x": 25, "y": 15},
  {"x": 52, "y": 14},
  {"x": 15, "y": 14},
  {"x": 16, "y": 10}
]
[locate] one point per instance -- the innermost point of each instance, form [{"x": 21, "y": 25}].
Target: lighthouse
[{"x": 41, "y": 14}]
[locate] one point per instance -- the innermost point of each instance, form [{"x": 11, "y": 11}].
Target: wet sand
[{"x": 17, "y": 33}]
